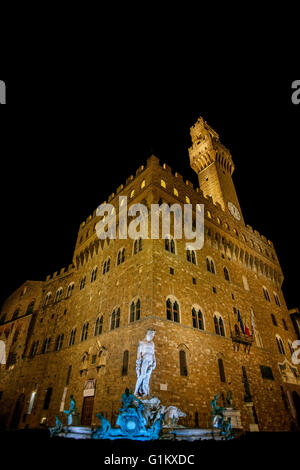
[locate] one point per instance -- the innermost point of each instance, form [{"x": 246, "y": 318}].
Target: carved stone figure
[
  {"x": 145, "y": 364},
  {"x": 171, "y": 417},
  {"x": 104, "y": 430},
  {"x": 72, "y": 413},
  {"x": 59, "y": 427},
  {"x": 153, "y": 410},
  {"x": 217, "y": 413}
]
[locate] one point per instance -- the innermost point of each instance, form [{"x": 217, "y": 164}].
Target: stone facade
[{"x": 195, "y": 361}]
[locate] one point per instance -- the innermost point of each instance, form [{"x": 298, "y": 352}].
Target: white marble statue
[
  {"x": 2, "y": 353},
  {"x": 171, "y": 417},
  {"x": 145, "y": 364}
]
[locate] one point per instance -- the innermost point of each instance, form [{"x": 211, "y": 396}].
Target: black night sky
[{"x": 61, "y": 158}]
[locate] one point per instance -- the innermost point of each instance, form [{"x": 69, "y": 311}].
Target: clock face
[{"x": 234, "y": 211}]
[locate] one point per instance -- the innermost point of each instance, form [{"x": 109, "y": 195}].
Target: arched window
[
  {"x": 58, "y": 295},
  {"x": 183, "y": 364},
  {"x": 219, "y": 325},
  {"x": 284, "y": 325},
  {"x": 143, "y": 184},
  {"x": 72, "y": 337},
  {"x": 59, "y": 342},
  {"x": 106, "y": 266},
  {"x": 280, "y": 345},
  {"x": 191, "y": 256},
  {"x": 33, "y": 349},
  {"x": 175, "y": 192},
  {"x": 121, "y": 256},
  {"x": 163, "y": 184},
  {"x": 70, "y": 289},
  {"x": 125, "y": 363},
  {"x": 94, "y": 274},
  {"x": 274, "y": 321},
  {"x": 47, "y": 298},
  {"x": 99, "y": 326},
  {"x": 226, "y": 274},
  {"x": 115, "y": 318},
  {"x": 221, "y": 370},
  {"x": 46, "y": 345},
  {"x": 210, "y": 265},
  {"x": 187, "y": 200},
  {"x": 197, "y": 318},
  {"x": 172, "y": 308},
  {"x": 245, "y": 282},
  {"x": 266, "y": 294},
  {"x": 82, "y": 283},
  {"x": 276, "y": 298},
  {"x": 30, "y": 308},
  {"x": 138, "y": 245},
  {"x": 135, "y": 310},
  {"x": 84, "y": 332},
  {"x": 170, "y": 245}
]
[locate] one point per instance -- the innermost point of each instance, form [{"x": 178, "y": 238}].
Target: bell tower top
[
  {"x": 213, "y": 163},
  {"x": 207, "y": 148}
]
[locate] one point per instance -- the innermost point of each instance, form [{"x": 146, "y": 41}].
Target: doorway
[{"x": 87, "y": 411}]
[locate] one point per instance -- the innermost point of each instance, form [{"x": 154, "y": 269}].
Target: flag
[
  {"x": 247, "y": 332},
  {"x": 241, "y": 322},
  {"x": 252, "y": 322}
]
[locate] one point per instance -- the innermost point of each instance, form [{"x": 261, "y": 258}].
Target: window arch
[
  {"x": 33, "y": 349},
  {"x": 82, "y": 282},
  {"x": 210, "y": 265},
  {"x": 137, "y": 245},
  {"x": 221, "y": 370},
  {"x": 266, "y": 294},
  {"x": 276, "y": 298},
  {"x": 106, "y": 266},
  {"x": 197, "y": 318},
  {"x": 46, "y": 345},
  {"x": 70, "y": 289},
  {"x": 115, "y": 318},
  {"x": 280, "y": 345},
  {"x": 121, "y": 256},
  {"x": 170, "y": 244},
  {"x": 98, "y": 325},
  {"x": 135, "y": 310},
  {"x": 47, "y": 298},
  {"x": 172, "y": 308},
  {"x": 94, "y": 274},
  {"x": 58, "y": 294},
  {"x": 59, "y": 342},
  {"x": 226, "y": 274},
  {"x": 191, "y": 256},
  {"x": 219, "y": 324},
  {"x": 72, "y": 337},
  {"x": 84, "y": 332},
  {"x": 183, "y": 363}
]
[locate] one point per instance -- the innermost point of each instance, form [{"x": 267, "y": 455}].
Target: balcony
[{"x": 239, "y": 339}]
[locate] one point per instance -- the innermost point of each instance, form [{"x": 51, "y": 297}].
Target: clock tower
[{"x": 214, "y": 166}]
